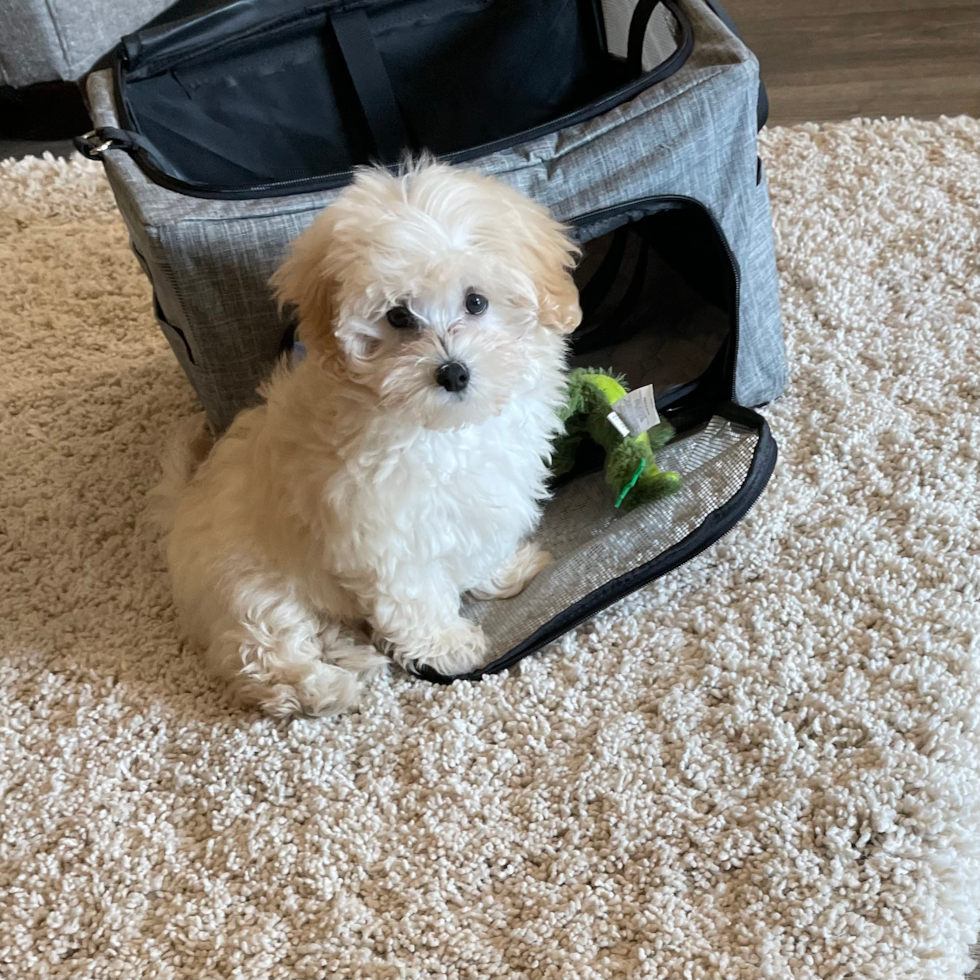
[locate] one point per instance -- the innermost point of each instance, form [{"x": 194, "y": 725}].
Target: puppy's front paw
[
  {"x": 454, "y": 650},
  {"x": 513, "y": 576}
]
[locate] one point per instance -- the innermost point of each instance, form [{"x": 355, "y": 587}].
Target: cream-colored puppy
[{"x": 401, "y": 464}]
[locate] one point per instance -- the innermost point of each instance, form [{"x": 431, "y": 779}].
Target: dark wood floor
[{"x": 836, "y": 59}]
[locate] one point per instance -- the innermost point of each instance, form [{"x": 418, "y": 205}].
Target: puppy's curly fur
[{"x": 351, "y": 510}]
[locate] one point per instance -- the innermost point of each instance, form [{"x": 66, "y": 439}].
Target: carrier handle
[
  {"x": 639, "y": 23},
  {"x": 371, "y": 82}
]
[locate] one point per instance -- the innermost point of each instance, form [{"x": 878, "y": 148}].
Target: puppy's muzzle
[{"x": 452, "y": 376}]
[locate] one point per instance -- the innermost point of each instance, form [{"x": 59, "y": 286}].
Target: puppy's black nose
[{"x": 453, "y": 376}]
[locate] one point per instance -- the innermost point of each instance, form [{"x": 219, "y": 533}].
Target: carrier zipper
[
  {"x": 92, "y": 144},
  {"x": 95, "y": 142},
  {"x": 682, "y": 201},
  {"x": 309, "y": 185}
]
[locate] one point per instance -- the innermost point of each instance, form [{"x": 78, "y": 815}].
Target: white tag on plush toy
[
  {"x": 618, "y": 424},
  {"x": 638, "y": 410}
]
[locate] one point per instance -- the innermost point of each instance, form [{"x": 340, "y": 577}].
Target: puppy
[{"x": 401, "y": 464}]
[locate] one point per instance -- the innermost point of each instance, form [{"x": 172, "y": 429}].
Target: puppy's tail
[{"x": 186, "y": 449}]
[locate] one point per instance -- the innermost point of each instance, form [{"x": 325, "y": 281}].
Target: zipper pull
[{"x": 95, "y": 143}]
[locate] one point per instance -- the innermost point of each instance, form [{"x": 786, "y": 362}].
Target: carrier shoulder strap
[{"x": 370, "y": 77}]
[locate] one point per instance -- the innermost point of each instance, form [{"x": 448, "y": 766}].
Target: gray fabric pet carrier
[{"x": 634, "y": 122}]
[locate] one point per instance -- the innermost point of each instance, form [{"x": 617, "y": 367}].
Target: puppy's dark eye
[
  {"x": 476, "y": 304},
  {"x": 400, "y": 317}
]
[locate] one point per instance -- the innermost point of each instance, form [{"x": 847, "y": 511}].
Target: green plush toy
[{"x": 631, "y": 468}]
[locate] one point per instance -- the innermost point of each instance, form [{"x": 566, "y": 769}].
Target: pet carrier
[{"x": 635, "y": 123}]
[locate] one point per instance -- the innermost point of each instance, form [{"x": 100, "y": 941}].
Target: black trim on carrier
[
  {"x": 715, "y": 526},
  {"x": 157, "y": 56}
]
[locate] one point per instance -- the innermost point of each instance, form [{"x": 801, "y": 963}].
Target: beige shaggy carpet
[{"x": 765, "y": 766}]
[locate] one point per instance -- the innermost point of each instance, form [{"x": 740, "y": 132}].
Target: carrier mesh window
[
  {"x": 593, "y": 543},
  {"x": 661, "y": 37}
]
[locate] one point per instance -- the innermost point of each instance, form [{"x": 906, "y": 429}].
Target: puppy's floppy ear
[
  {"x": 550, "y": 255},
  {"x": 559, "y": 307},
  {"x": 306, "y": 281}
]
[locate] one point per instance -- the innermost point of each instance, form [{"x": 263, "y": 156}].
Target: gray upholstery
[
  {"x": 52, "y": 40},
  {"x": 693, "y": 135}
]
